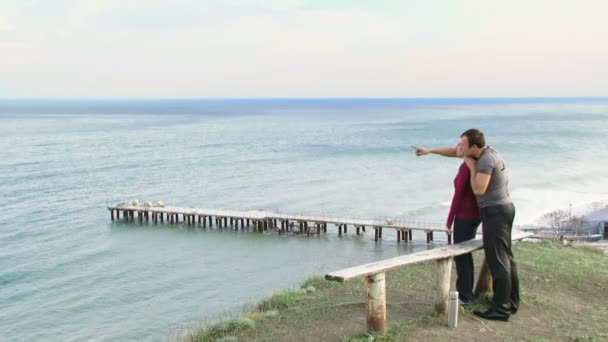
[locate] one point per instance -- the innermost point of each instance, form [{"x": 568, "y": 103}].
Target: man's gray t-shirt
[{"x": 497, "y": 193}]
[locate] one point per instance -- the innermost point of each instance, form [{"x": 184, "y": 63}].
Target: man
[
  {"x": 465, "y": 218},
  {"x": 490, "y": 183}
]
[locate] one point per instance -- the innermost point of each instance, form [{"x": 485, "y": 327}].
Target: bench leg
[
  {"x": 484, "y": 282},
  {"x": 376, "y": 303},
  {"x": 443, "y": 272}
]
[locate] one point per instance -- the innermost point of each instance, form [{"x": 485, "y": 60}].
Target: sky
[{"x": 299, "y": 48}]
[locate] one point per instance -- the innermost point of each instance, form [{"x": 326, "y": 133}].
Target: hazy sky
[{"x": 299, "y": 48}]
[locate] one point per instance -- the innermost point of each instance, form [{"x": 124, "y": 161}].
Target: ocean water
[{"x": 67, "y": 272}]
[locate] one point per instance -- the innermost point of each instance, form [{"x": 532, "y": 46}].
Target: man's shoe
[
  {"x": 492, "y": 314},
  {"x": 514, "y": 309}
]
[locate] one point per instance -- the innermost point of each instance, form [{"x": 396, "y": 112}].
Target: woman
[{"x": 464, "y": 217}]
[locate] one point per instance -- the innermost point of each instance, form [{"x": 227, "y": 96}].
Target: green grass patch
[
  {"x": 564, "y": 290},
  {"x": 223, "y": 329}
]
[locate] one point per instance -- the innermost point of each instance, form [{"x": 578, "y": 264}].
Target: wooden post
[
  {"x": 345, "y": 228},
  {"x": 484, "y": 281},
  {"x": 225, "y": 222},
  {"x": 410, "y": 234},
  {"x": 398, "y": 236},
  {"x": 155, "y": 215},
  {"x": 112, "y": 214},
  {"x": 428, "y": 237},
  {"x": 162, "y": 217},
  {"x": 141, "y": 216},
  {"x": 380, "y": 233},
  {"x": 431, "y": 234},
  {"x": 242, "y": 223},
  {"x": 375, "y": 234},
  {"x": 375, "y": 307},
  {"x": 339, "y": 230},
  {"x": 443, "y": 271},
  {"x": 358, "y": 230}
]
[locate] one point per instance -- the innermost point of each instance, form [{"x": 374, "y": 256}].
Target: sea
[{"x": 70, "y": 273}]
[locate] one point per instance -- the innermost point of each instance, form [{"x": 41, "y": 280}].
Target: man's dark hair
[{"x": 475, "y": 137}]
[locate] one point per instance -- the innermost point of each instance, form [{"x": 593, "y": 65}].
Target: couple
[{"x": 482, "y": 195}]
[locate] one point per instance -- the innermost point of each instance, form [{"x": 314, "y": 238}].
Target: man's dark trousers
[
  {"x": 497, "y": 225},
  {"x": 465, "y": 229}
]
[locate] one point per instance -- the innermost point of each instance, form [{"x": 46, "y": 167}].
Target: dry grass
[{"x": 564, "y": 296}]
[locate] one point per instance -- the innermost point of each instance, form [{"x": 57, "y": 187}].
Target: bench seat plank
[{"x": 414, "y": 258}]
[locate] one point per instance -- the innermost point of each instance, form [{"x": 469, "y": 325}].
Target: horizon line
[{"x": 299, "y": 98}]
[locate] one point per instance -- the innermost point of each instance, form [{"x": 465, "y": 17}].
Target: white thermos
[{"x": 453, "y": 310}]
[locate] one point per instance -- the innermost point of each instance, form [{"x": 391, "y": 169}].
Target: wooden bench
[{"x": 443, "y": 256}]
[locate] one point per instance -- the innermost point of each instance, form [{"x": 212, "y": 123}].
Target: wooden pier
[{"x": 261, "y": 221}]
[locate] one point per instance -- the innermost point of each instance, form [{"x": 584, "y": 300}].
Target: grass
[
  {"x": 224, "y": 329},
  {"x": 564, "y": 294}
]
